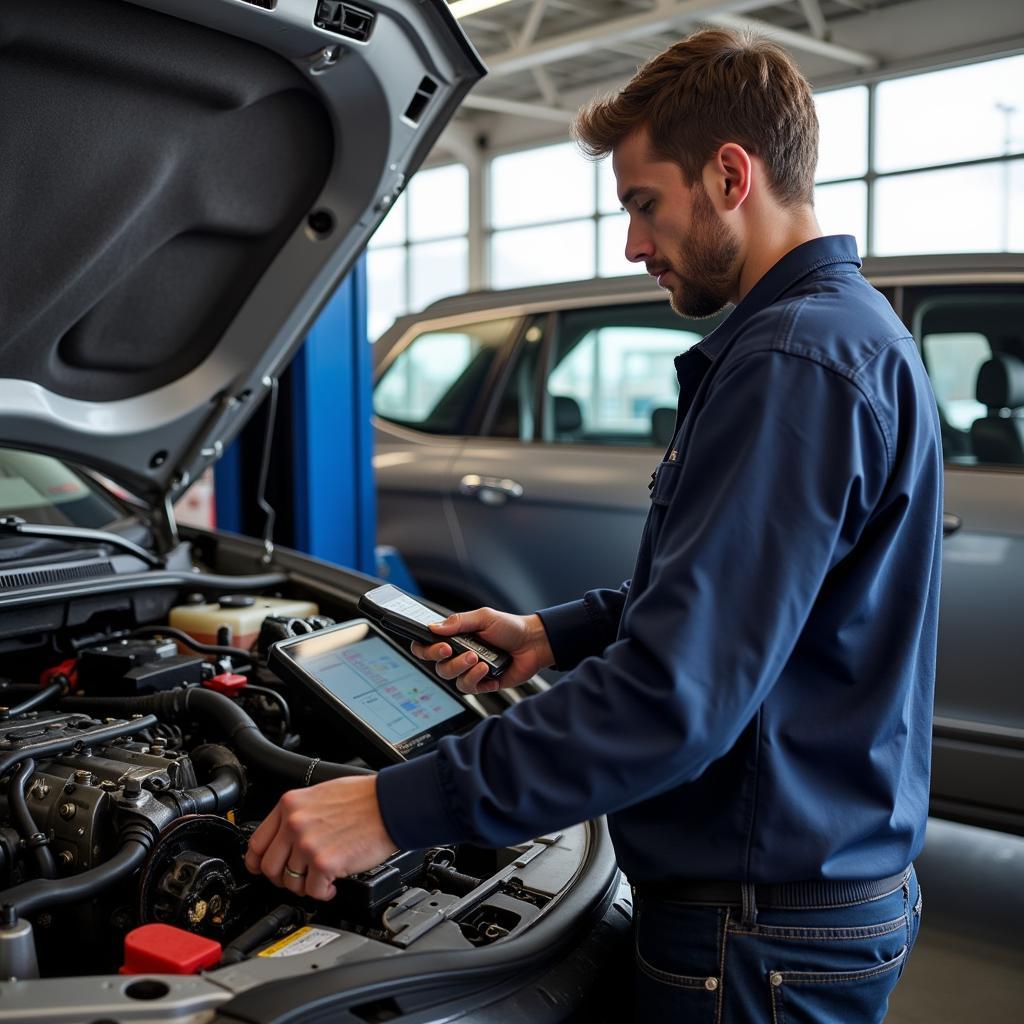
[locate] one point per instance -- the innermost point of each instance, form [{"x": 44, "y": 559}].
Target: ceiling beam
[
  {"x": 798, "y": 41},
  {"x": 548, "y": 89},
  {"x": 496, "y": 105},
  {"x": 663, "y": 18},
  {"x": 532, "y": 24},
  {"x": 815, "y": 19}
]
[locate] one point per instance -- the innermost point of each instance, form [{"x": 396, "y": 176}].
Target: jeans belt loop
[{"x": 749, "y": 905}]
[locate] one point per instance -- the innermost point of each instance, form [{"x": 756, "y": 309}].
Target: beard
[{"x": 706, "y": 268}]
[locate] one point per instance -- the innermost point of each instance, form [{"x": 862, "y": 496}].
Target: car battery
[{"x": 243, "y": 614}]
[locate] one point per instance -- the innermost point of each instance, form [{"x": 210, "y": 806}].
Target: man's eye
[{"x": 646, "y": 207}]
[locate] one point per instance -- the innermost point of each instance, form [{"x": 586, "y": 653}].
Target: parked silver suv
[{"x": 517, "y": 431}]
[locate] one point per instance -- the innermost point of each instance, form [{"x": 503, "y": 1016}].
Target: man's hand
[
  {"x": 523, "y": 636},
  {"x": 319, "y": 834}
]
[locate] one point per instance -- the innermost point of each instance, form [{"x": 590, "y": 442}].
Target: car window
[
  {"x": 953, "y": 360},
  {"x": 436, "y": 381},
  {"x": 45, "y": 491},
  {"x": 612, "y": 378},
  {"x": 514, "y": 414},
  {"x": 973, "y": 347}
]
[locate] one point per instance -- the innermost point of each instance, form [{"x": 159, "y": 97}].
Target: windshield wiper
[{"x": 17, "y": 525}]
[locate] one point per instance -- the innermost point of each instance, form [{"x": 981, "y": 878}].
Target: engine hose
[
  {"x": 182, "y": 637},
  {"x": 38, "y": 698},
  {"x": 46, "y": 893},
  {"x": 35, "y": 840},
  {"x": 239, "y": 728},
  {"x": 86, "y": 738},
  {"x": 265, "y": 928},
  {"x": 224, "y": 787},
  {"x": 453, "y": 881},
  {"x": 266, "y": 691}
]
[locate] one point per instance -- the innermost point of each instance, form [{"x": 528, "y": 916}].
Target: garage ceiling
[{"x": 548, "y": 56}]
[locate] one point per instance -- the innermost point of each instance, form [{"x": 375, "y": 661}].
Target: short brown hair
[{"x": 713, "y": 87}]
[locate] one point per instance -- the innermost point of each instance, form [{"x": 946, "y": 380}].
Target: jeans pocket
[
  {"x": 834, "y": 997},
  {"x": 678, "y": 961}
]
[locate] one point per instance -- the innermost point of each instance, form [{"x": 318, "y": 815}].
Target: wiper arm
[{"x": 17, "y": 525}]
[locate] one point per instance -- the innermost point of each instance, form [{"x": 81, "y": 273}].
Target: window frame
[{"x": 479, "y": 408}]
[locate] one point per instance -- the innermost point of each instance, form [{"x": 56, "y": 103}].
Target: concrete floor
[{"x": 968, "y": 964}]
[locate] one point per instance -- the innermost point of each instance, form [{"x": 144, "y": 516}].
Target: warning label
[{"x": 304, "y": 940}]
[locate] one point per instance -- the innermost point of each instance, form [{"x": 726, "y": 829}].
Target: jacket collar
[{"x": 795, "y": 265}]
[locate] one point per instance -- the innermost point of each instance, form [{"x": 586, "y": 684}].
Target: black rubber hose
[
  {"x": 41, "y": 697},
  {"x": 182, "y": 637},
  {"x": 266, "y": 691},
  {"x": 86, "y": 738},
  {"x": 265, "y": 928},
  {"x": 46, "y": 893},
  {"x": 453, "y": 881},
  {"x": 222, "y": 792},
  {"x": 237, "y": 726},
  {"x": 224, "y": 786},
  {"x": 218, "y": 796},
  {"x": 35, "y": 840}
]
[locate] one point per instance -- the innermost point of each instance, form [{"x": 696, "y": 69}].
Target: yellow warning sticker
[{"x": 302, "y": 940}]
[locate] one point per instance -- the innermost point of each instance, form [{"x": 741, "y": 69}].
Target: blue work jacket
[{"x": 755, "y": 704}]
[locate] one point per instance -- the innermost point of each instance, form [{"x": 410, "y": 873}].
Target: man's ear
[{"x": 728, "y": 176}]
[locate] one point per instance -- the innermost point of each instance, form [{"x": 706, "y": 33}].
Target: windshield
[{"x": 44, "y": 490}]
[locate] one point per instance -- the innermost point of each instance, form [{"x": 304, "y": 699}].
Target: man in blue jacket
[{"x": 753, "y": 709}]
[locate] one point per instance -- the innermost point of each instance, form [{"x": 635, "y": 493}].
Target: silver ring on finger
[{"x": 295, "y": 874}]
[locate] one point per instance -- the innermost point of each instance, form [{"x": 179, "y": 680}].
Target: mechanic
[{"x": 753, "y": 709}]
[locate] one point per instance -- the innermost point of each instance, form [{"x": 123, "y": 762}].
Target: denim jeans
[{"x": 717, "y": 965}]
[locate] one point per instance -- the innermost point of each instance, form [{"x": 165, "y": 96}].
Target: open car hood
[{"x": 185, "y": 183}]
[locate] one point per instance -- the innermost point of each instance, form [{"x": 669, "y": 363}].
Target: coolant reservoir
[{"x": 242, "y": 614}]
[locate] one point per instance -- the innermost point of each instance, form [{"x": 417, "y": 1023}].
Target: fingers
[
  {"x": 474, "y": 679},
  {"x": 455, "y": 667},
  {"x": 317, "y": 835},
  {"x": 464, "y": 622},
  {"x": 320, "y": 886},
  {"x": 261, "y": 839},
  {"x": 433, "y": 652},
  {"x": 446, "y": 666}
]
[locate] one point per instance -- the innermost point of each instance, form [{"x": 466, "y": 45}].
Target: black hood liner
[{"x": 151, "y": 169}]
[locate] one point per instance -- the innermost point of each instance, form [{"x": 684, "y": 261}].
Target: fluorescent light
[{"x": 464, "y": 8}]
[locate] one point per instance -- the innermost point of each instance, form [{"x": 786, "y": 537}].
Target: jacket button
[
  {"x": 775, "y": 978},
  {"x": 711, "y": 984}
]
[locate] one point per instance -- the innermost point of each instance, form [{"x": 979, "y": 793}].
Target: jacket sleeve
[
  {"x": 579, "y": 629},
  {"x": 785, "y": 463}
]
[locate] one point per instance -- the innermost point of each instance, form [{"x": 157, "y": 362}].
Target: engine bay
[{"x": 137, "y": 759}]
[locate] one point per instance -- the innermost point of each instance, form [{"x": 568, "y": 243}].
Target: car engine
[{"x": 134, "y": 765}]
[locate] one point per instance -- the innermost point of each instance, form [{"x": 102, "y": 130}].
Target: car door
[
  {"x": 968, "y": 332},
  {"x": 552, "y": 494},
  {"x": 428, "y": 395}
]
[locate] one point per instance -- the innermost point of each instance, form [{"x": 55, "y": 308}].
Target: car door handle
[
  {"x": 491, "y": 490},
  {"x": 950, "y": 523}
]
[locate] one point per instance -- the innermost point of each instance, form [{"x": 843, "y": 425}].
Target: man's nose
[{"x": 638, "y": 245}]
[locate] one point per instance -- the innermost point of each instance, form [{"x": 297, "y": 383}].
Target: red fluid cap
[
  {"x": 228, "y": 683},
  {"x": 164, "y": 949},
  {"x": 68, "y": 669}
]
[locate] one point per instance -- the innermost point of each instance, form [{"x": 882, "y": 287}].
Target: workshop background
[{"x": 921, "y": 104}]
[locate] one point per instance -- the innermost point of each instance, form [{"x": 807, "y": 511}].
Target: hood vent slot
[
  {"x": 345, "y": 19},
  {"x": 420, "y": 100},
  {"x": 267, "y": 5},
  {"x": 17, "y": 578}
]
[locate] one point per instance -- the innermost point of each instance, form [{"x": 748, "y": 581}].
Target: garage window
[{"x": 420, "y": 252}]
